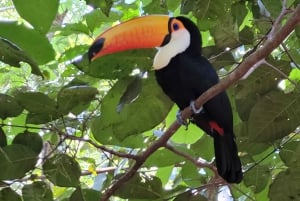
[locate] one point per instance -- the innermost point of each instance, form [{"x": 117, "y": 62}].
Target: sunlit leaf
[{"x": 45, "y": 10}]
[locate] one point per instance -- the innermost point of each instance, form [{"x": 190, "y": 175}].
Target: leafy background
[{"x": 70, "y": 128}]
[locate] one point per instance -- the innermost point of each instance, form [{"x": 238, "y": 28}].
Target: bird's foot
[
  {"x": 194, "y": 109},
  {"x": 181, "y": 121}
]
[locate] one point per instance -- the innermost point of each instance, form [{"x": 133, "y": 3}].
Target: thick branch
[{"x": 258, "y": 55}]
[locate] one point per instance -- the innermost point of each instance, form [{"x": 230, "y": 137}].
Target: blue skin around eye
[{"x": 175, "y": 26}]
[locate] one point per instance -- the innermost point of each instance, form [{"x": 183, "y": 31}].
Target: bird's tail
[{"x": 227, "y": 159}]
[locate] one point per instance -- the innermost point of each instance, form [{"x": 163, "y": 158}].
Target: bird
[{"x": 183, "y": 73}]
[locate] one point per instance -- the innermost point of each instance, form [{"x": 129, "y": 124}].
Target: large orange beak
[{"x": 142, "y": 32}]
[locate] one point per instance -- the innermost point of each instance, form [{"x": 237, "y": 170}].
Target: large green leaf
[
  {"x": 262, "y": 80},
  {"x": 286, "y": 185},
  {"x": 140, "y": 188},
  {"x": 32, "y": 140},
  {"x": 62, "y": 170},
  {"x": 36, "y": 102},
  {"x": 163, "y": 158},
  {"x": 31, "y": 41},
  {"x": 116, "y": 65},
  {"x": 75, "y": 98},
  {"x": 16, "y": 161},
  {"x": 191, "y": 176},
  {"x": 8, "y": 194},
  {"x": 45, "y": 10},
  {"x": 9, "y": 107},
  {"x": 274, "y": 116},
  {"x": 85, "y": 195},
  {"x": 3, "y": 140},
  {"x": 257, "y": 178},
  {"x": 148, "y": 110},
  {"x": 290, "y": 154},
  {"x": 13, "y": 55},
  {"x": 37, "y": 191}
]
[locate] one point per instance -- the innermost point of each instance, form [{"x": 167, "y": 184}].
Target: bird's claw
[
  {"x": 181, "y": 121},
  {"x": 194, "y": 109}
]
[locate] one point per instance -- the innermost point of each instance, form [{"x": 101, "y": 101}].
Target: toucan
[{"x": 183, "y": 74}]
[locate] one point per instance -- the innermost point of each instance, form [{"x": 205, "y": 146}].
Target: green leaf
[
  {"x": 85, "y": 195},
  {"x": 286, "y": 185},
  {"x": 9, "y": 107},
  {"x": 274, "y": 116},
  {"x": 258, "y": 178},
  {"x": 8, "y": 194},
  {"x": 13, "y": 55},
  {"x": 189, "y": 196},
  {"x": 147, "y": 111},
  {"x": 45, "y": 10},
  {"x": 16, "y": 161},
  {"x": 140, "y": 188},
  {"x": 273, "y": 8},
  {"x": 75, "y": 98},
  {"x": 239, "y": 12},
  {"x": 32, "y": 140},
  {"x": 30, "y": 41},
  {"x": 116, "y": 65},
  {"x": 42, "y": 118},
  {"x": 75, "y": 28},
  {"x": 191, "y": 176},
  {"x": 204, "y": 148},
  {"x": 62, "y": 170},
  {"x": 290, "y": 154},
  {"x": 262, "y": 80},
  {"x": 36, "y": 102},
  {"x": 132, "y": 92},
  {"x": 163, "y": 158},
  {"x": 38, "y": 191},
  {"x": 3, "y": 140}
]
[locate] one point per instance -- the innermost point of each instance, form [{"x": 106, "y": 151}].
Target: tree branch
[{"x": 270, "y": 44}]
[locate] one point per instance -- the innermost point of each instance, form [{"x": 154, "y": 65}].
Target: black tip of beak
[{"x": 95, "y": 48}]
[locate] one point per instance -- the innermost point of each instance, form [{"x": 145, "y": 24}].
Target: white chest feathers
[{"x": 179, "y": 42}]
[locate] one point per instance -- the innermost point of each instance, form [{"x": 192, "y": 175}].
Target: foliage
[{"x": 63, "y": 135}]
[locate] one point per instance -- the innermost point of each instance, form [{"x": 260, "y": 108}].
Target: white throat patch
[{"x": 179, "y": 42}]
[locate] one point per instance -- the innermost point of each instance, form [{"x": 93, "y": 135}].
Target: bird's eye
[{"x": 175, "y": 26}]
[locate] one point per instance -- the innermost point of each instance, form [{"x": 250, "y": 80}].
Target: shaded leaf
[
  {"x": 8, "y": 194},
  {"x": 75, "y": 98},
  {"x": 30, "y": 41},
  {"x": 262, "y": 80},
  {"x": 290, "y": 154},
  {"x": 191, "y": 176},
  {"x": 36, "y": 102},
  {"x": 131, "y": 93},
  {"x": 32, "y": 140},
  {"x": 274, "y": 116},
  {"x": 62, "y": 170},
  {"x": 45, "y": 10},
  {"x": 9, "y": 107},
  {"x": 239, "y": 12},
  {"x": 116, "y": 65},
  {"x": 257, "y": 178},
  {"x": 42, "y": 118},
  {"x": 140, "y": 188},
  {"x": 147, "y": 111},
  {"x": 189, "y": 196},
  {"x": 163, "y": 158},
  {"x": 204, "y": 148},
  {"x": 37, "y": 191},
  {"x": 16, "y": 161},
  {"x": 3, "y": 140},
  {"x": 286, "y": 186},
  {"x": 85, "y": 195},
  {"x": 13, "y": 55}
]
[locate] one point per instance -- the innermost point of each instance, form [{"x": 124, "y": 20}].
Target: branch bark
[{"x": 270, "y": 44}]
